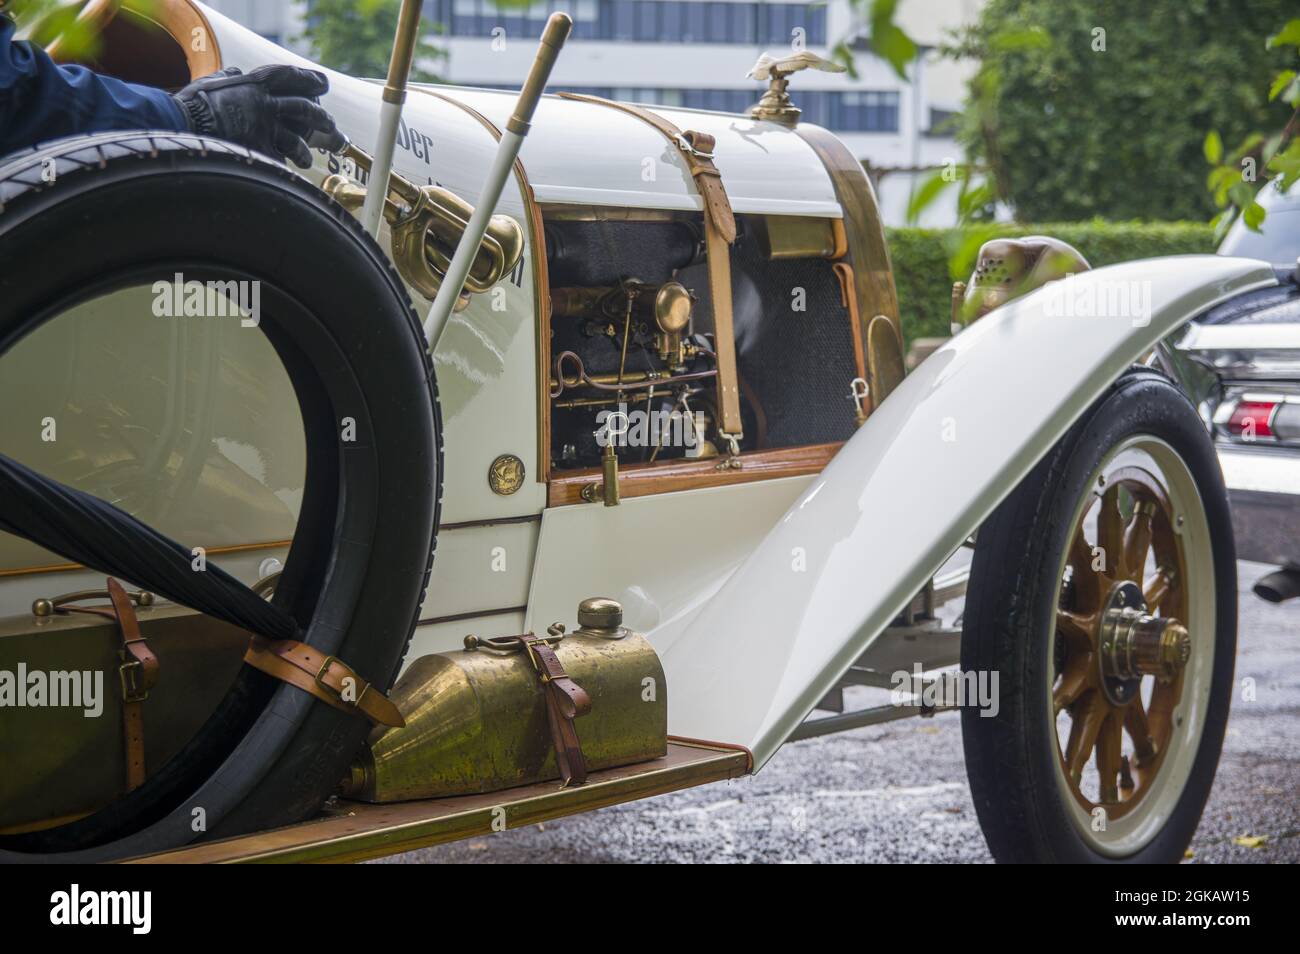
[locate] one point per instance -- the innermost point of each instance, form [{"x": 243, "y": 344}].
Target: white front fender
[{"x": 916, "y": 480}]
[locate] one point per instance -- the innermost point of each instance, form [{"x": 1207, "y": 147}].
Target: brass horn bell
[{"x": 426, "y": 224}]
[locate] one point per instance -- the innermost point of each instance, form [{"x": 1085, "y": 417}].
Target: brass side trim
[
  {"x": 868, "y": 252},
  {"x": 270, "y": 545},
  {"x": 210, "y": 551},
  {"x": 639, "y": 480},
  {"x": 706, "y": 744},
  {"x": 884, "y": 358},
  {"x": 473, "y": 614},
  {"x": 849, "y": 296},
  {"x": 493, "y": 522},
  {"x": 360, "y": 832}
]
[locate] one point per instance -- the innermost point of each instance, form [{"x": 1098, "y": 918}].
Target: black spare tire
[{"x": 80, "y": 218}]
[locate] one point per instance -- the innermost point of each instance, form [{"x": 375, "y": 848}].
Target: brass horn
[{"x": 426, "y": 224}]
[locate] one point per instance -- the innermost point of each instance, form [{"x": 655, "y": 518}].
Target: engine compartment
[{"x": 633, "y": 349}]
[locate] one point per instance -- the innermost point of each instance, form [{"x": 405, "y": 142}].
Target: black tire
[
  {"x": 1009, "y": 624},
  {"x": 124, "y": 207}
]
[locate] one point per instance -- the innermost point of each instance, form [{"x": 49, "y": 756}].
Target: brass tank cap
[{"x": 600, "y": 613}]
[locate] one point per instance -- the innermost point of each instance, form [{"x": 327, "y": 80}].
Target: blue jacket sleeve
[{"x": 41, "y": 100}]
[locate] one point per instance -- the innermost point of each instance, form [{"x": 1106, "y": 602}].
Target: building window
[
  {"x": 849, "y": 111},
  {"x": 864, "y": 111},
  {"x": 641, "y": 21}
]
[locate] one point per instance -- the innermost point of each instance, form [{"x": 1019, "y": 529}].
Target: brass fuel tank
[{"x": 476, "y": 720}]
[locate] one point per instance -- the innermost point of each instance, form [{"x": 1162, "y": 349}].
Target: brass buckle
[
  {"x": 338, "y": 693},
  {"x": 324, "y": 668},
  {"x": 132, "y": 685}
]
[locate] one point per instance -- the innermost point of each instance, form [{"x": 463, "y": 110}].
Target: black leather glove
[{"x": 273, "y": 109}]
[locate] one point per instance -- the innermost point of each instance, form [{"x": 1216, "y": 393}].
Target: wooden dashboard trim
[{"x": 663, "y": 477}]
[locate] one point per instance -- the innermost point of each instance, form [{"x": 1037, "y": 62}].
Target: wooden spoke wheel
[
  {"x": 1122, "y": 641},
  {"x": 1103, "y": 594}
]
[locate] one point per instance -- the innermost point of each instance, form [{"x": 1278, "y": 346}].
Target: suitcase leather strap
[
  {"x": 137, "y": 672},
  {"x": 696, "y": 149}
]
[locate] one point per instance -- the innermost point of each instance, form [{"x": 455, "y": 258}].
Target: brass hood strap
[
  {"x": 696, "y": 149},
  {"x": 328, "y": 678},
  {"x": 137, "y": 673}
]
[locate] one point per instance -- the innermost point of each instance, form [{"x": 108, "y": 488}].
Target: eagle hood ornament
[{"x": 775, "y": 105}]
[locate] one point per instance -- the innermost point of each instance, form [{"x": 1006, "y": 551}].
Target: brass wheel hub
[{"x": 1134, "y": 644}]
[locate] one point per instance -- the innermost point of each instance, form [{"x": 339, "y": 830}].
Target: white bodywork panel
[
  {"x": 660, "y": 556},
  {"x": 588, "y": 154},
  {"x": 917, "y": 479}
]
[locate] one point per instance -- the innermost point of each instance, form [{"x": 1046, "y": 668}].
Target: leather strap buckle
[
  {"x": 134, "y": 688},
  {"x": 324, "y": 668}
]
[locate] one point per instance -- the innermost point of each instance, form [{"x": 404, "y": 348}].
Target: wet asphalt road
[{"x": 897, "y": 792}]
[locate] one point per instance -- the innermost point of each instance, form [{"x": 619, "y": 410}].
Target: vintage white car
[{"x": 671, "y": 407}]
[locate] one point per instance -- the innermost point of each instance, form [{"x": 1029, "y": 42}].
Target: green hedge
[{"x": 925, "y": 260}]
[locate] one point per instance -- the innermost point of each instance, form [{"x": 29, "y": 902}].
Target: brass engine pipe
[{"x": 427, "y": 223}]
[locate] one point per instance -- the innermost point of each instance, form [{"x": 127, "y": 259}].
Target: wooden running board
[{"x": 356, "y": 831}]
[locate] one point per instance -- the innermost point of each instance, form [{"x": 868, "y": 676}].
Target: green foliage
[
  {"x": 1098, "y": 108},
  {"x": 888, "y": 41},
  {"x": 1234, "y": 179},
  {"x": 882, "y": 36},
  {"x": 42, "y": 21},
  {"x": 927, "y": 261},
  {"x": 356, "y": 37}
]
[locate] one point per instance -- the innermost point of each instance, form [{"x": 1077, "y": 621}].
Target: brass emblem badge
[{"x": 506, "y": 475}]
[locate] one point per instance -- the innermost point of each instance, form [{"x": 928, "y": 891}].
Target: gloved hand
[{"x": 273, "y": 109}]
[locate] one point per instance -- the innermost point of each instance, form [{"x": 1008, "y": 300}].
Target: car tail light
[{"x": 1253, "y": 419}]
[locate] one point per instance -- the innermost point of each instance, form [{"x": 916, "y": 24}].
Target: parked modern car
[{"x": 1250, "y": 345}]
